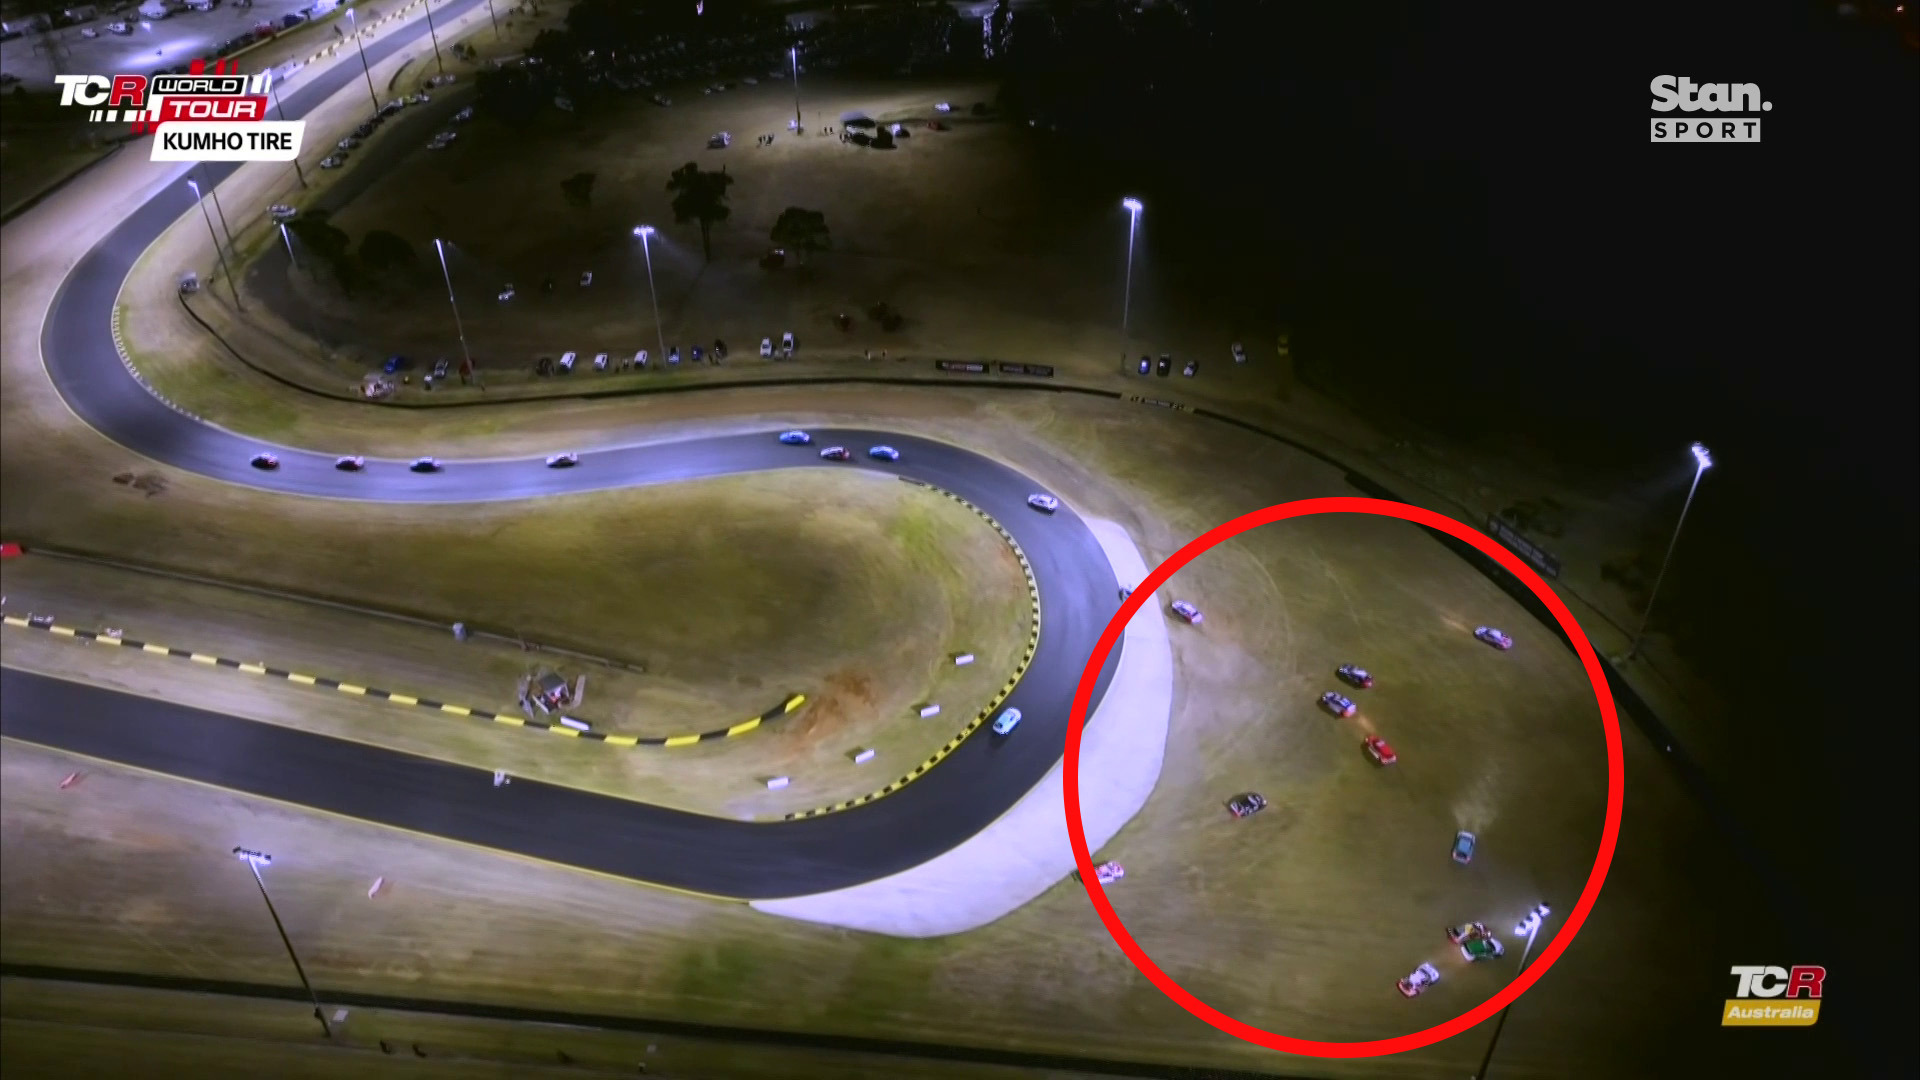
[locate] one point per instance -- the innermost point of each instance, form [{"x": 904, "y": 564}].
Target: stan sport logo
[
  {"x": 1752, "y": 1004},
  {"x": 206, "y": 114},
  {"x": 1732, "y": 109}
]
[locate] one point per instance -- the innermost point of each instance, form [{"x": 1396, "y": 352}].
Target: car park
[
  {"x": 1379, "y": 751},
  {"x": 351, "y": 463},
  {"x": 1338, "y": 704},
  {"x": 333, "y": 161},
  {"x": 1188, "y": 612},
  {"x": 836, "y": 453},
  {"x": 567, "y": 361},
  {"x": 795, "y": 438},
  {"x": 1355, "y": 675},
  {"x": 563, "y": 461},
  {"x": 1043, "y": 502},
  {"x": 425, "y": 465},
  {"x": 1419, "y": 979},
  {"x": 1499, "y": 639},
  {"x": 282, "y": 213},
  {"x": 265, "y": 461},
  {"x": 1246, "y": 804},
  {"x": 1006, "y": 722},
  {"x": 884, "y": 453},
  {"x": 1463, "y": 844}
]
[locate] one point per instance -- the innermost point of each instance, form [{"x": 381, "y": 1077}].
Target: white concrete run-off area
[{"x": 1025, "y": 852}]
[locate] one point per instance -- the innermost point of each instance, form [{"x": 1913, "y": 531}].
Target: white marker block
[
  {"x": 929, "y": 710},
  {"x": 375, "y": 890},
  {"x": 963, "y": 659},
  {"x": 577, "y": 725},
  {"x": 861, "y": 757},
  {"x": 779, "y": 782}
]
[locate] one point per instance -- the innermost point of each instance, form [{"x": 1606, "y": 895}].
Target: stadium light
[
  {"x": 255, "y": 860},
  {"x": 645, "y": 233},
  {"x": 1703, "y": 460},
  {"x": 1133, "y": 207},
  {"x": 232, "y": 286}
]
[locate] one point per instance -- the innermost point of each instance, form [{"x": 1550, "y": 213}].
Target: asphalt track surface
[{"x": 631, "y": 839}]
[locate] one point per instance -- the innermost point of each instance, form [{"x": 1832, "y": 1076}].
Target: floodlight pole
[
  {"x": 441, "y": 64},
  {"x": 273, "y": 86},
  {"x": 794, "y": 54},
  {"x": 1487, "y": 1061},
  {"x": 213, "y": 191},
  {"x": 457, "y": 328},
  {"x": 1702, "y": 462},
  {"x": 1133, "y": 207},
  {"x": 288, "y": 239},
  {"x": 660, "y": 332},
  {"x": 364, "y": 67},
  {"x": 253, "y": 859},
  {"x": 496, "y": 20},
  {"x": 232, "y": 285}
]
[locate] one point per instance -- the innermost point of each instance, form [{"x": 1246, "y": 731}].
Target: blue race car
[
  {"x": 795, "y": 438},
  {"x": 1007, "y": 722},
  {"x": 884, "y": 453}
]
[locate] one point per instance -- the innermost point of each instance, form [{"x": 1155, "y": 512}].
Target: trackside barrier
[
  {"x": 861, "y": 757},
  {"x": 779, "y": 782},
  {"x": 963, "y": 659},
  {"x": 929, "y": 710}
]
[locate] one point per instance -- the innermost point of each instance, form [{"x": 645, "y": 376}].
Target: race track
[{"x": 966, "y": 791}]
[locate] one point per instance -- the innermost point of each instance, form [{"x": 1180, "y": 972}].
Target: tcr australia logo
[{"x": 1798, "y": 988}]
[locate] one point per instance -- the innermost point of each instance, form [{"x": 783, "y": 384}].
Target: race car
[
  {"x": 1417, "y": 982},
  {"x": 282, "y": 213},
  {"x": 563, "y": 461},
  {"x": 1460, "y": 935},
  {"x": 1239, "y": 353},
  {"x": 265, "y": 461},
  {"x": 836, "y": 453},
  {"x": 1006, "y": 722},
  {"x": 1126, "y": 591},
  {"x": 1246, "y": 804},
  {"x": 1040, "y": 501},
  {"x": 1463, "y": 843},
  {"x": 350, "y": 463},
  {"x": 1499, "y": 639},
  {"x": 425, "y": 464},
  {"x": 1188, "y": 612},
  {"x": 1106, "y": 873},
  {"x": 1477, "y": 949},
  {"x": 1338, "y": 704},
  {"x": 884, "y": 453},
  {"x": 1379, "y": 751},
  {"x": 1356, "y": 675},
  {"x": 795, "y": 438}
]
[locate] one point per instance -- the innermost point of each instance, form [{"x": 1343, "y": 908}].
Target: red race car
[{"x": 1379, "y": 751}]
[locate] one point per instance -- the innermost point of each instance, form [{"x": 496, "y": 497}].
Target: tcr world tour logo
[
  {"x": 1737, "y": 106},
  {"x": 214, "y": 114},
  {"x": 1752, "y": 1005}
]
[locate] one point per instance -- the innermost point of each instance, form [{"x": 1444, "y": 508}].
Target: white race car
[
  {"x": 1106, "y": 873},
  {"x": 1188, "y": 612},
  {"x": 1499, "y": 639},
  {"x": 1422, "y": 977},
  {"x": 1040, "y": 501},
  {"x": 563, "y": 461}
]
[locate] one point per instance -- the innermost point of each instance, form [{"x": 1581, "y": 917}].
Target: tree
[
  {"x": 383, "y": 250},
  {"x": 578, "y": 189},
  {"x": 802, "y": 231},
  {"x": 332, "y": 245},
  {"x": 700, "y": 196}
]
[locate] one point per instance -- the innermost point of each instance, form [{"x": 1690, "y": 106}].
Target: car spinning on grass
[
  {"x": 1338, "y": 704},
  {"x": 1481, "y": 948},
  {"x": 1040, "y": 501},
  {"x": 1499, "y": 639},
  {"x": 282, "y": 213},
  {"x": 1463, "y": 844},
  {"x": 1106, "y": 873},
  {"x": 884, "y": 453},
  {"x": 265, "y": 461},
  {"x": 1246, "y": 804},
  {"x": 795, "y": 438},
  {"x": 425, "y": 464},
  {"x": 350, "y": 463},
  {"x": 1419, "y": 979},
  {"x": 1460, "y": 935},
  {"x": 1379, "y": 751},
  {"x": 1006, "y": 722},
  {"x": 563, "y": 461},
  {"x": 1356, "y": 675},
  {"x": 1188, "y": 612},
  {"x": 836, "y": 453}
]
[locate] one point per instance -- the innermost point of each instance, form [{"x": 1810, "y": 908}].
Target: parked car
[
  {"x": 1463, "y": 844},
  {"x": 393, "y": 364},
  {"x": 347, "y": 143},
  {"x": 1006, "y": 721},
  {"x": 1338, "y": 704},
  {"x": 567, "y": 360},
  {"x": 836, "y": 453},
  {"x": 563, "y": 461},
  {"x": 1417, "y": 982},
  {"x": 351, "y": 463},
  {"x": 766, "y": 348},
  {"x": 1499, "y": 639},
  {"x": 1356, "y": 676},
  {"x": 600, "y": 361},
  {"x": 333, "y": 161},
  {"x": 463, "y": 115},
  {"x": 265, "y": 461},
  {"x": 420, "y": 99},
  {"x": 786, "y": 341},
  {"x": 719, "y": 141},
  {"x": 1188, "y": 612},
  {"x": 506, "y": 292},
  {"x": 795, "y": 438},
  {"x": 1246, "y": 804},
  {"x": 1239, "y": 353},
  {"x": 884, "y": 453},
  {"x": 425, "y": 465},
  {"x": 586, "y": 278},
  {"x": 1379, "y": 751}
]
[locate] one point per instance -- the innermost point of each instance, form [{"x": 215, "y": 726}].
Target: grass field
[{"x": 736, "y": 593}]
